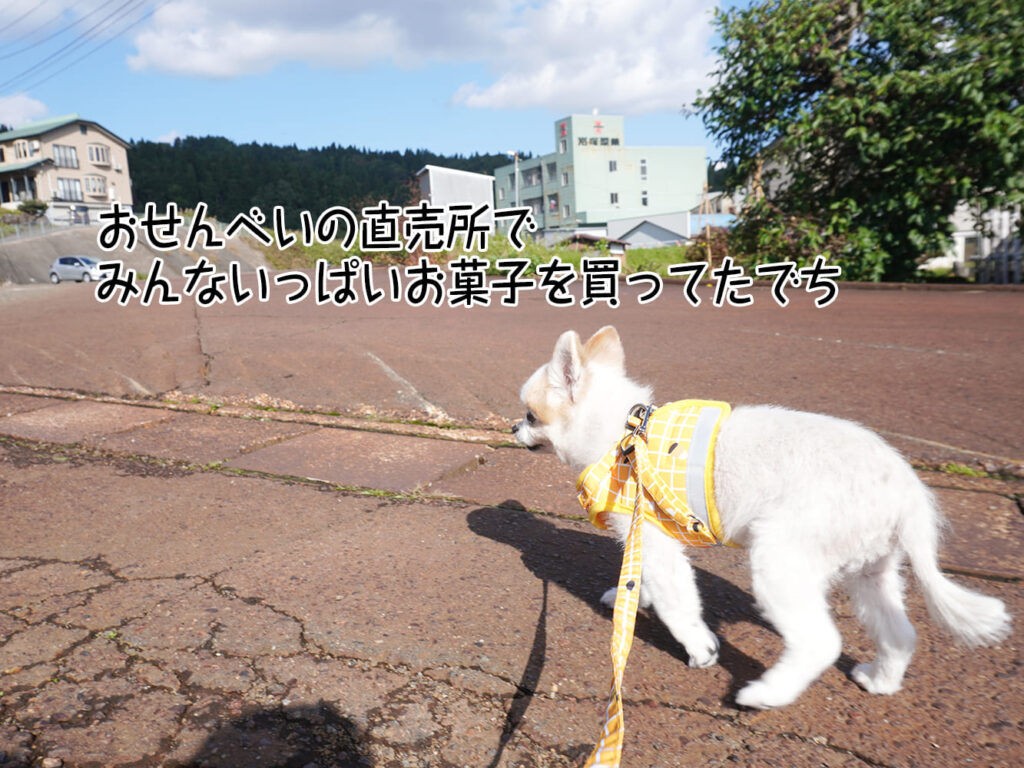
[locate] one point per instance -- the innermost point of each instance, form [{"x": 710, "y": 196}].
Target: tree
[{"x": 867, "y": 121}]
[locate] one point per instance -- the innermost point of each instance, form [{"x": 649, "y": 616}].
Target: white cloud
[
  {"x": 566, "y": 55},
  {"x": 20, "y": 109},
  {"x": 168, "y": 138}
]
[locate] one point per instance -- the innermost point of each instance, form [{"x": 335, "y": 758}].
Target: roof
[
  {"x": 23, "y": 165},
  {"x": 582, "y": 237},
  {"x": 40, "y": 127},
  {"x": 429, "y": 167}
]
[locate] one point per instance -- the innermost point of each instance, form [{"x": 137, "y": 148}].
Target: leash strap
[{"x": 608, "y": 751}]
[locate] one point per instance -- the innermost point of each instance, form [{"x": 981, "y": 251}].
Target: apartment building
[
  {"x": 594, "y": 177},
  {"x": 74, "y": 165}
]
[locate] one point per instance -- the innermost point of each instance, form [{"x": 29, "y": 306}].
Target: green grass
[{"x": 299, "y": 256}]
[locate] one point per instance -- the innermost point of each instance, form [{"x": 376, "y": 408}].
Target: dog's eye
[{"x": 530, "y": 418}]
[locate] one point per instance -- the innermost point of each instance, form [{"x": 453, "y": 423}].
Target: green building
[{"x": 593, "y": 177}]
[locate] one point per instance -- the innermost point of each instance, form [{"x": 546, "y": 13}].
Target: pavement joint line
[{"x": 401, "y": 427}]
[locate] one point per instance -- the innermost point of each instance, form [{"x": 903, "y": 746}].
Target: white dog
[{"x": 814, "y": 499}]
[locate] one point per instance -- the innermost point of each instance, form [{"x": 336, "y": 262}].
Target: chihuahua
[{"x": 814, "y": 499}]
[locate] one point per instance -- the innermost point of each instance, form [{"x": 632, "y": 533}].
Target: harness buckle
[{"x": 639, "y": 415}]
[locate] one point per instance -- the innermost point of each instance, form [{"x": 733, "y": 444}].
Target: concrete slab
[
  {"x": 365, "y": 459},
  {"x": 200, "y": 439},
  {"x": 11, "y": 403},
  {"x": 74, "y": 421},
  {"x": 184, "y": 618},
  {"x": 986, "y": 532},
  {"x": 517, "y": 476}
]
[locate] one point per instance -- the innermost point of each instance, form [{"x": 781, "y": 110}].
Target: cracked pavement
[{"x": 208, "y": 577}]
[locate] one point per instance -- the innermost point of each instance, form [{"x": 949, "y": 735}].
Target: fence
[
  {"x": 17, "y": 231},
  {"x": 1002, "y": 265}
]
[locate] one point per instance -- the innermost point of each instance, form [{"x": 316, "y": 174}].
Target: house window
[
  {"x": 553, "y": 204},
  {"x": 565, "y": 211},
  {"x": 65, "y": 156},
  {"x": 69, "y": 189},
  {"x": 613, "y": 166},
  {"x": 552, "y": 172},
  {"x": 643, "y": 197},
  {"x": 95, "y": 185},
  {"x": 615, "y": 198},
  {"x": 21, "y": 150},
  {"x": 99, "y": 154},
  {"x": 565, "y": 178},
  {"x": 563, "y": 146},
  {"x": 501, "y": 193},
  {"x": 1, "y": 154},
  {"x": 643, "y": 168},
  {"x": 82, "y": 128}
]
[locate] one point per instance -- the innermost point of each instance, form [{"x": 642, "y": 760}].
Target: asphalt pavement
[{"x": 297, "y": 535}]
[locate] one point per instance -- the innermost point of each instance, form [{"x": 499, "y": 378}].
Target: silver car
[{"x": 81, "y": 268}]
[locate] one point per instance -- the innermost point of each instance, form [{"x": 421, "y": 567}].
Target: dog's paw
[
  {"x": 608, "y": 598},
  {"x": 702, "y": 650},
  {"x": 867, "y": 678},
  {"x": 761, "y": 695}
]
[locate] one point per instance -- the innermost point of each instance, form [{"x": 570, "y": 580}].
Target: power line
[
  {"x": 33, "y": 9},
  {"x": 59, "y": 32},
  {"x": 117, "y": 14},
  {"x": 101, "y": 45}
]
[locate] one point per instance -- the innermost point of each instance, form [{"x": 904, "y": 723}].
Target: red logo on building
[
  {"x": 597, "y": 126},
  {"x": 564, "y": 131}
]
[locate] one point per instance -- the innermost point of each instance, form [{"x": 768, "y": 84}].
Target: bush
[{"x": 34, "y": 208}]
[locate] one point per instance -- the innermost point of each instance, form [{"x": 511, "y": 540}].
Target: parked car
[{"x": 80, "y": 268}]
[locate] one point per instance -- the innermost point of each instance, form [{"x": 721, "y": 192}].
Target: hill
[{"x": 231, "y": 178}]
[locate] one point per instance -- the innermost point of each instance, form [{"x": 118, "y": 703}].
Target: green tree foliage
[
  {"x": 870, "y": 120},
  {"x": 232, "y": 178}
]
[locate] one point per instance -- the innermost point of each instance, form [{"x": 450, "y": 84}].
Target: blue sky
[{"x": 444, "y": 75}]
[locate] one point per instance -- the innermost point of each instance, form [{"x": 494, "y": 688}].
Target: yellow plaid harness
[{"x": 661, "y": 472}]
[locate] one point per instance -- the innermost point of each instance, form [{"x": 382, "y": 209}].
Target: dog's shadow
[{"x": 587, "y": 564}]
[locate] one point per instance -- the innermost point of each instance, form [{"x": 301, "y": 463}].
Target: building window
[
  {"x": 95, "y": 185},
  {"x": 69, "y": 189},
  {"x": 565, "y": 211},
  {"x": 565, "y": 178},
  {"x": 615, "y": 198},
  {"x": 563, "y": 146},
  {"x": 1, "y": 154},
  {"x": 643, "y": 168},
  {"x": 82, "y": 128},
  {"x": 22, "y": 150},
  {"x": 552, "y": 172},
  {"x": 65, "y": 156},
  {"x": 553, "y": 204},
  {"x": 99, "y": 154},
  {"x": 643, "y": 197},
  {"x": 501, "y": 193},
  {"x": 613, "y": 166}
]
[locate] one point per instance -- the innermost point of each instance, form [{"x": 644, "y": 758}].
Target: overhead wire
[
  {"x": 106, "y": 42},
  {"x": 59, "y": 32},
  {"x": 112, "y": 18}
]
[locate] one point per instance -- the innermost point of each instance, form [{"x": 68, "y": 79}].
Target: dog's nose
[{"x": 515, "y": 427}]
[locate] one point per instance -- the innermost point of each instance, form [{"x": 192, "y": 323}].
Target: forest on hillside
[{"x": 231, "y": 178}]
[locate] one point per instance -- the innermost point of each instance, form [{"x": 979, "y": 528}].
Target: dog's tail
[{"x": 972, "y": 618}]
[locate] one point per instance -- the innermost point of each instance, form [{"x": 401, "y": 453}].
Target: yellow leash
[{"x": 601, "y": 489}]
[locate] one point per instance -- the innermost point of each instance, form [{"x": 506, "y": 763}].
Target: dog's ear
[
  {"x": 567, "y": 363},
  {"x": 605, "y": 348}
]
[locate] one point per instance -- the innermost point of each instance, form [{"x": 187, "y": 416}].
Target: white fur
[{"x": 815, "y": 500}]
